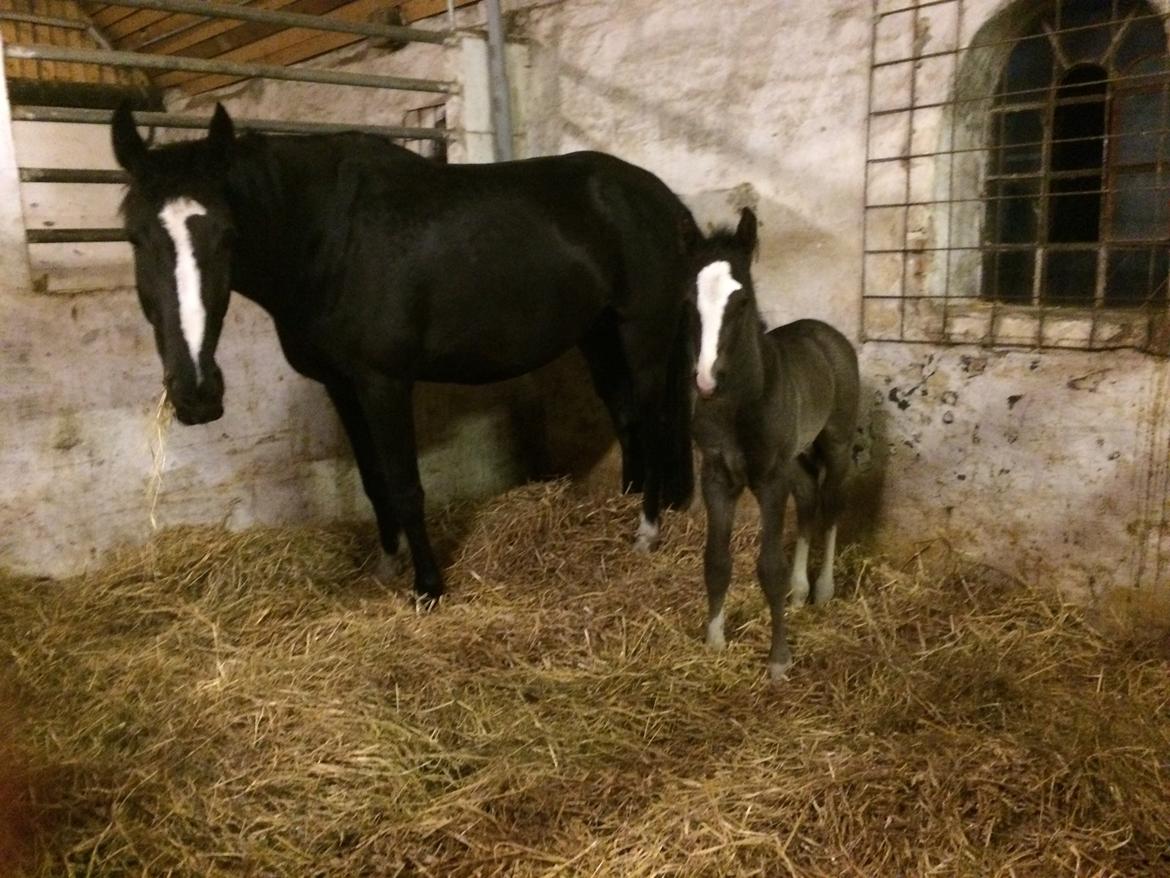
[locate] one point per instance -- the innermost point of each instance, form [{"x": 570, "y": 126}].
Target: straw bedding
[{"x": 254, "y": 703}]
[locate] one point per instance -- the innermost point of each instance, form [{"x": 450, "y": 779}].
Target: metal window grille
[{"x": 1018, "y": 175}]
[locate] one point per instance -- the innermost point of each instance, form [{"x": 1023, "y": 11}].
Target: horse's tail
[{"x": 678, "y": 469}]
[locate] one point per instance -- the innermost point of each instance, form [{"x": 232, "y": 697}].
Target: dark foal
[
  {"x": 381, "y": 269},
  {"x": 776, "y": 413}
]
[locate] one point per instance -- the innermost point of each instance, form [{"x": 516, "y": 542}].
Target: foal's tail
[{"x": 678, "y": 468}]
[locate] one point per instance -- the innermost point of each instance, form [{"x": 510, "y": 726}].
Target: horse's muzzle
[
  {"x": 200, "y": 404},
  {"x": 203, "y": 412}
]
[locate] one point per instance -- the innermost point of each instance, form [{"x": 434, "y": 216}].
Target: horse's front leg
[
  {"x": 719, "y": 497},
  {"x": 770, "y": 567},
  {"x": 393, "y": 560},
  {"x": 388, "y": 409}
]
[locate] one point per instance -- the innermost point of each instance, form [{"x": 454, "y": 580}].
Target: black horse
[
  {"x": 381, "y": 268},
  {"x": 776, "y": 413}
]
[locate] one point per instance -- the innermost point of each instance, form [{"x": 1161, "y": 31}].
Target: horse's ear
[
  {"x": 222, "y": 133},
  {"x": 745, "y": 232},
  {"x": 129, "y": 147}
]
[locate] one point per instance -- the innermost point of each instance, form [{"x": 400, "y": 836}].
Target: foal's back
[{"x": 820, "y": 365}]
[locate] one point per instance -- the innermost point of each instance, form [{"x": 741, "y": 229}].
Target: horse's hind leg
[
  {"x": 803, "y": 476},
  {"x": 611, "y": 379},
  {"x": 393, "y": 560},
  {"x": 647, "y": 350},
  {"x": 836, "y": 453}
]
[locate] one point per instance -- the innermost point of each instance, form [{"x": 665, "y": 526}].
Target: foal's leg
[
  {"x": 393, "y": 560},
  {"x": 388, "y": 409},
  {"x": 719, "y": 496},
  {"x": 837, "y": 455},
  {"x": 804, "y": 493},
  {"x": 772, "y": 497}
]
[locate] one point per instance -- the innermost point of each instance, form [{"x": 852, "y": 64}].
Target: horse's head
[
  {"x": 178, "y": 221},
  {"x": 729, "y": 321}
]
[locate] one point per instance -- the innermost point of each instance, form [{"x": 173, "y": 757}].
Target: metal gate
[{"x": 428, "y": 138}]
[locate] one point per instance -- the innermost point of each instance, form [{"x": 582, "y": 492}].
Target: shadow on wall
[{"x": 866, "y": 485}]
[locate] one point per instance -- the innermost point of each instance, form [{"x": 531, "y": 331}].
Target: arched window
[{"x": 1078, "y": 178}]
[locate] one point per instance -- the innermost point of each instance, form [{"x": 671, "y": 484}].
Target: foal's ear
[
  {"x": 745, "y": 232},
  {"x": 129, "y": 147},
  {"x": 222, "y": 133}
]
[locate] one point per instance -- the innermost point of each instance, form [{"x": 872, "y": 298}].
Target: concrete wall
[{"x": 1052, "y": 465}]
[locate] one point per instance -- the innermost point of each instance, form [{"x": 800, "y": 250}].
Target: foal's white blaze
[
  {"x": 715, "y": 286},
  {"x": 188, "y": 282}
]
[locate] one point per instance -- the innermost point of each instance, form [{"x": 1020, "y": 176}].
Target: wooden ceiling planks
[
  {"x": 25, "y": 73},
  {"x": 194, "y": 36}
]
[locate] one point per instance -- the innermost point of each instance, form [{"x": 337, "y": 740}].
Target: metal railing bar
[
  {"x": 46, "y": 20},
  {"x": 144, "y": 61},
  {"x": 72, "y": 175},
  {"x": 290, "y": 19},
  {"x": 74, "y": 236},
  {"x": 172, "y": 120}
]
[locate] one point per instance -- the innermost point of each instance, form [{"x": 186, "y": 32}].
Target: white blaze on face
[
  {"x": 188, "y": 282},
  {"x": 715, "y": 287}
]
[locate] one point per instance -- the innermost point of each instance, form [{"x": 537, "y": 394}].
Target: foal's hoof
[
  {"x": 778, "y": 671},
  {"x": 391, "y": 566}
]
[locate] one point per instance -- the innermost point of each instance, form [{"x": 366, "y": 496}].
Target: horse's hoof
[
  {"x": 647, "y": 537},
  {"x": 823, "y": 593},
  {"x": 425, "y": 602},
  {"x": 716, "y": 642},
  {"x": 391, "y": 566},
  {"x": 778, "y": 671},
  {"x": 644, "y": 545}
]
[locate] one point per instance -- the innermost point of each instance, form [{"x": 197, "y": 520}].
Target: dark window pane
[
  {"x": 1021, "y": 139},
  {"x": 1144, "y": 36},
  {"x": 1029, "y": 70},
  {"x": 1136, "y": 277},
  {"x": 1138, "y": 123},
  {"x": 1070, "y": 277},
  {"x": 1139, "y": 206},
  {"x": 1007, "y": 275},
  {"x": 1081, "y": 40},
  {"x": 1078, "y": 128},
  {"x": 1012, "y": 207},
  {"x": 1074, "y": 210}
]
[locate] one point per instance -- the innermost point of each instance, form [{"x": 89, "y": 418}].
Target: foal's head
[
  {"x": 177, "y": 218},
  {"x": 729, "y": 322}
]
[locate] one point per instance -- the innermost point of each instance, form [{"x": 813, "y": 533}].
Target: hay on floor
[{"x": 253, "y": 703}]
